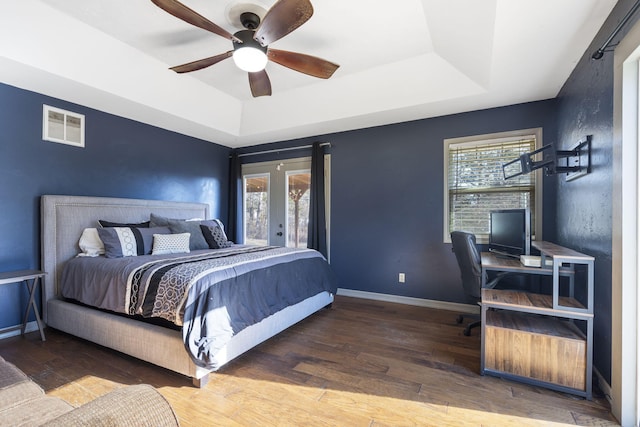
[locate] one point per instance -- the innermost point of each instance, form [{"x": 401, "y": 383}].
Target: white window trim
[
  {"x": 493, "y": 138},
  {"x": 624, "y": 393}
]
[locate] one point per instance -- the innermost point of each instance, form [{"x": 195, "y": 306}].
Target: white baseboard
[
  {"x": 603, "y": 385},
  {"x": 12, "y": 331},
  {"x": 443, "y": 305}
]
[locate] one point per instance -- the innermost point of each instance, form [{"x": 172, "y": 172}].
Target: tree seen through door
[
  {"x": 297, "y": 208},
  {"x": 256, "y": 210}
]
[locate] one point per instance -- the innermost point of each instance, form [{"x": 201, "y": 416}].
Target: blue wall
[
  {"x": 584, "y": 207},
  {"x": 122, "y": 158},
  {"x": 387, "y": 193}
]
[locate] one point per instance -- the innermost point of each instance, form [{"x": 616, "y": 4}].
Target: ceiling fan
[{"x": 251, "y": 50}]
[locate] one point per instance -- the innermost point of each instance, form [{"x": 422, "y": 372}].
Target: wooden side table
[{"x": 31, "y": 278}]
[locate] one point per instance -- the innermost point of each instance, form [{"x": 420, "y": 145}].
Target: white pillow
[
  {"x": 170, "y": 243},
  {"x": 90, "y": 243}
]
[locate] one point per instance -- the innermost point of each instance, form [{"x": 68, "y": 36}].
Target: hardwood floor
[{"x": 360, "y": 363}]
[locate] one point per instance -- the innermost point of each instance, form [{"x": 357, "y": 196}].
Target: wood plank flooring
[{"x": 360, "y": 363}]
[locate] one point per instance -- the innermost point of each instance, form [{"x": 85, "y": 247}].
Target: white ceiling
[{"x": 399, "y": 61}]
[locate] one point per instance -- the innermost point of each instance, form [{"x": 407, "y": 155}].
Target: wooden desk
[
  {"x": 491, "y": 262},
  {"x": 532, "y": 337},
  {"x": 31, "y": 278}
]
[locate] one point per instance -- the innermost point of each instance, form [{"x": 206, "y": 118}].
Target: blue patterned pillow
[
  {"x": 215, "y": 235},
  {"x": 129, "y": 241},
  {"x": 120, "y": 242}
]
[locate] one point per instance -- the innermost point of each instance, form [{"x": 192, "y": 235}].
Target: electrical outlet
[{"x": 401, "y": 277}]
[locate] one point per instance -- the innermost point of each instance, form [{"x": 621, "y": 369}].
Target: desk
[
  {"x": 533, "y": 337},
  {"x": 31, "y": 278},
  {"x": 500, "y": 264}
]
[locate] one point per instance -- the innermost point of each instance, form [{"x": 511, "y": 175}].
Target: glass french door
[{"x": 276, "y": 202}]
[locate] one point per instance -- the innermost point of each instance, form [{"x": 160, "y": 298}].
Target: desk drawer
[{"x": 537, "y": 347}]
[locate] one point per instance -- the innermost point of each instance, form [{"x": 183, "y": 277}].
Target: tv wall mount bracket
[{"x": 575, "y": 162}]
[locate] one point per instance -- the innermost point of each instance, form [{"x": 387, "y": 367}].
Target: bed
[{"x": 63, "y": 220}]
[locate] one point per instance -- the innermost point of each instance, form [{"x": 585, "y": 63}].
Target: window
[{"x": 475, "y": 184}]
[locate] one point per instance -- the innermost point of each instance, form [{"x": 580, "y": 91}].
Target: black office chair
[{"x": 469, "y": 261}]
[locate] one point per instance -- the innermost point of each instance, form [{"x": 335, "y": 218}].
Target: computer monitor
[{"x": 510, "y": 232}]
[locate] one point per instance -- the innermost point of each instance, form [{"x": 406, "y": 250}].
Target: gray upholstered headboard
[{"x": 64, "y": 217}]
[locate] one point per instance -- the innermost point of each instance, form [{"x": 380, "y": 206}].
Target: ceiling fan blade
[
  {"x": 201, "y": 63},
  {"x": 283, "y": 17},
  {"x": 179, "y": 10},
  {"x": 260, "y": 84},
  {"x": 307, "y": 64}
]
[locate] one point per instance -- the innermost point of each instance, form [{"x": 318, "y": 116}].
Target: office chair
[
  {"x": 468, "y": 257},
  {"x": 469, "y": 261}
]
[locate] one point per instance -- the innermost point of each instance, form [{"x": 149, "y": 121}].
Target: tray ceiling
[{"x": 406, "y": 60}]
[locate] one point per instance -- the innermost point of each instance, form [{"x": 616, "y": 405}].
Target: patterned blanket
[{"x": 167, "y": 281}]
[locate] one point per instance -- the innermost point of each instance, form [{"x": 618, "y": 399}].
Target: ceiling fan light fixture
[
  {"x": 250, "y": 59},
  {"x": 249, "y": 55}
]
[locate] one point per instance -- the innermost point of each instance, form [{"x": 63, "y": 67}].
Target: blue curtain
[
  {"x": 234, "y": 227},
  {"x": 317, "y": 238}
]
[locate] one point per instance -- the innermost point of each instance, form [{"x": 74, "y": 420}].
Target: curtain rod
[
  {"x": 600, "y": 52},
  {"x": 276, "y": 150}
]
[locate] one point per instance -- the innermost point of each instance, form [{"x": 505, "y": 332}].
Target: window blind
[{"x": 477, "y": 186}]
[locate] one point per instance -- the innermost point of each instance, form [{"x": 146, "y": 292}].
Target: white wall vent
[{"x": 62, "y": 126}]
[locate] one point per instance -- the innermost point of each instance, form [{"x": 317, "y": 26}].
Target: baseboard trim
[
  {"x": 443, "y": 305},
  {"x": 12, "y": 331},
  {"x": 603, "y": 385}
]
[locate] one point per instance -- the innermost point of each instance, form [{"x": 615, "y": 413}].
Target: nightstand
[{"x": 31, "y": 278}]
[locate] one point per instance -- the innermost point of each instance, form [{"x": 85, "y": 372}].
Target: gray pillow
[
  {"x": 147, "y": 236},
  {"x": 161, "y": 221},
  {"x": 196, "y": 241}
]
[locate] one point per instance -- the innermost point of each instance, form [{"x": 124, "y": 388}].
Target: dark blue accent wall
[
  {"x": 122, "y": 158},
  {"x": 387, "y": 193},
  {"x": 584, "y": 206}
]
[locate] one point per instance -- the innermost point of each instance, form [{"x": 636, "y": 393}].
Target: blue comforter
[{"x": 213, "y": 294}]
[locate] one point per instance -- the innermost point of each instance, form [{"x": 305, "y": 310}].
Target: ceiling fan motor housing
[
  {"x": 249, "y": 20},
  {"x": 247, "y": 41}
]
